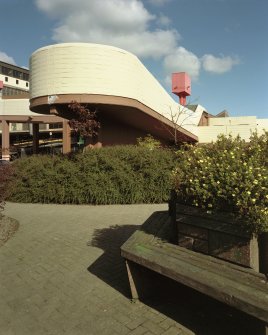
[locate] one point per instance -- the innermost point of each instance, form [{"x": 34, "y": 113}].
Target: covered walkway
[{"x": 17, "y": 111}]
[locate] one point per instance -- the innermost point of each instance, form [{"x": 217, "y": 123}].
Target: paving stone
[
  {"x": 122, "y": 318},
  {"x": 153, "y": 327},
  {"x": 135, "y": 323},
  {"x": 119, "y": 328},
  {"x": 167, "y": 323},
  {"x": 138, "y": 331},
  {"x": 173, "y": 331}
]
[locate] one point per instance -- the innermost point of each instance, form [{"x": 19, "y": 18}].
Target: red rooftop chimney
[{"x": 181, "y": 86}]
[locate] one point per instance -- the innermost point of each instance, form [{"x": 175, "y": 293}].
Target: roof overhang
[
  {"x": 126, "y": 110},
  {"x": 31, "y": 119}
]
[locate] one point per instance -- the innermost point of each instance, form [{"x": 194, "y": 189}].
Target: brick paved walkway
[{"x": 61, "y": 273}]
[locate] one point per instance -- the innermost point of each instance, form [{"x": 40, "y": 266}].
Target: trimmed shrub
[
  {"x": 148, "y": 142},
  {"x": 228, "y": 175},
  {"x": 111, "y": 175},
  {"x": 6, "y": 172}
]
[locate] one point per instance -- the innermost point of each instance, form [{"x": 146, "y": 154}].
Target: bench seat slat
[{"x": 214, "y": 265}]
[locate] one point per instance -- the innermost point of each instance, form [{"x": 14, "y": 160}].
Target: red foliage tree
[{"x": 85, "y": 121}]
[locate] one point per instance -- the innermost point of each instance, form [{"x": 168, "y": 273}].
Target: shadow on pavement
[
  {"x": 196, "y": 311},
  {"x": 110, "y": 267}
]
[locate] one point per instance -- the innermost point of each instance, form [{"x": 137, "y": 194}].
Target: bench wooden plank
[
  {"x": 246, "y": 275},
  {"x": 234, "y": 285}
]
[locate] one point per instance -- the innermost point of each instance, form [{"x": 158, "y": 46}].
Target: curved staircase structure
[{"x": 110, "y": 80}]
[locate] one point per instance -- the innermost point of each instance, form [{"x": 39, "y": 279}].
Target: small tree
[
  {"x": 179, "y": 118},
  {"x": 84, "y": 122}
]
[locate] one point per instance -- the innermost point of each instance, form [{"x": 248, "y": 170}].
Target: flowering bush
[{"x": 228, "y": 175}]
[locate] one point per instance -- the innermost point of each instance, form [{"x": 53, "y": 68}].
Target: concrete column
[
  {"x": 5, "y": 140},
  {"x": 99, "y": 139},
  {"x": 35, "y": 138},
  {"x": 66, "y": 137}
]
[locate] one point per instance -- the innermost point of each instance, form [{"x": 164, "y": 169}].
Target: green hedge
[
  {"x": 6, "y": 172},
  {"x": 111, "y": 175}
]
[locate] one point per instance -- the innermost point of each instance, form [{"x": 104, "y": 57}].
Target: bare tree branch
[{"x": 178, "y": 119}]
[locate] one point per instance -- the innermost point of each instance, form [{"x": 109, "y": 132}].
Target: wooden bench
[{"x": 231, "y": 284}]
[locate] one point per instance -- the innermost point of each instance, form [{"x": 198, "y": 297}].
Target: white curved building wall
[{"x": 82, "y": 68}]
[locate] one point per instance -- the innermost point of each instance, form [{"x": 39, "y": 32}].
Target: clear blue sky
[{"x": 222, "y": 44}]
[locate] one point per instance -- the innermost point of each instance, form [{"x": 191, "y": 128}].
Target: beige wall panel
[
  {"x": 262, "y": 125},
  {"x": 226, "y": 121},
  {"x": 210, "y": 133},
  {"x": 15, "y": 107}
]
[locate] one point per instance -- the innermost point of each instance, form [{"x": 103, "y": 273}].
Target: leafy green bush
[
  {"x": 6, "y": 172},
  {"x": 111, "y": 175},
  {"x": 148, "y": 142},
  {"x": 228, "y": 175}
]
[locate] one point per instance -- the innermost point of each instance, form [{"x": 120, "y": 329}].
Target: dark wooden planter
[{"x": 218, "y": 236}]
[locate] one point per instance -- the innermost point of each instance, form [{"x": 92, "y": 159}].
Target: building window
[
  {"x": 7, "y": 91},
  {"x": 27, "y": 84},
  {"x": 25, "y": 76},
  {"x": 6, "y": 71},
  {"x": 17, "y": 81},
  {"x": 17, "y": 74},
  {"x": 57, "y": 125},
  {"x": 6, "y": 78}
]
